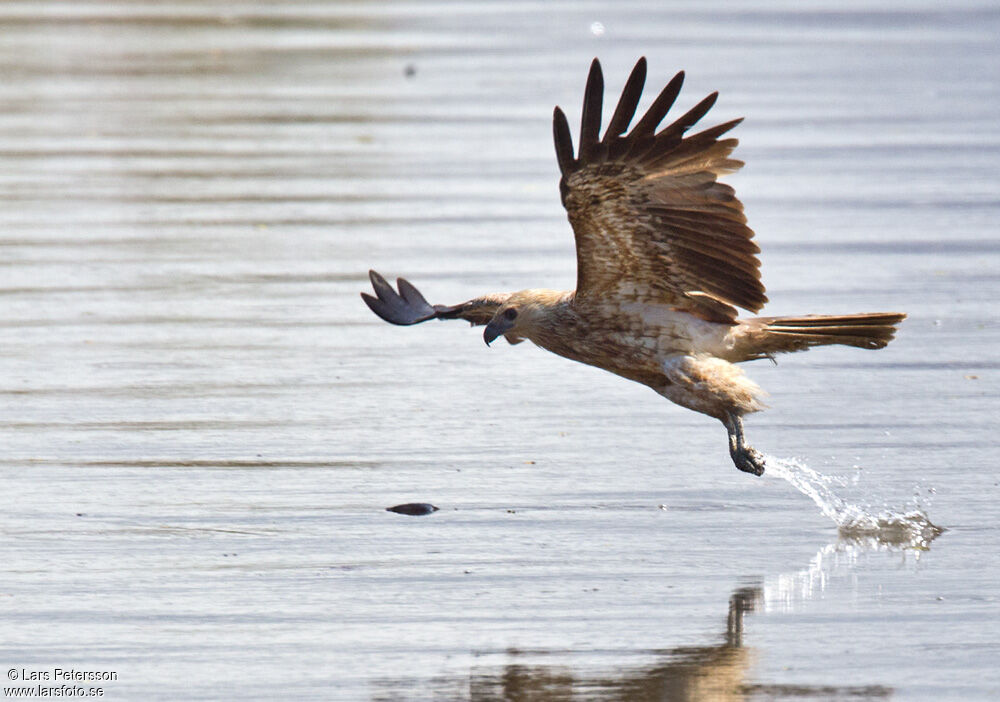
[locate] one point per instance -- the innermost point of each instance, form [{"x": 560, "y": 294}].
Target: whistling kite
[{"x": 664, "y": 257}]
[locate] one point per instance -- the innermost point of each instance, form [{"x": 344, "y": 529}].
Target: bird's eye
[{"x": 510, "y": 314}]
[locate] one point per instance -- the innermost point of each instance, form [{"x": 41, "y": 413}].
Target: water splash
[{"x": 906, "y": 528}]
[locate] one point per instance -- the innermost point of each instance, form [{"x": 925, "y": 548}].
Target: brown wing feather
[
  {"x": 477, "y": 311},
  {"x": 651, "y": 220}
]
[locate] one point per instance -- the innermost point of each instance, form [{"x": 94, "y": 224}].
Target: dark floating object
[{"x": 414, "y": 509}]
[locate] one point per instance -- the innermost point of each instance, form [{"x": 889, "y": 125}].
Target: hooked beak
[{"x": 495, "y": 328}]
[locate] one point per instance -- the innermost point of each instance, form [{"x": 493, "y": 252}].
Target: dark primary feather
[
  {"x": 641, "y": 135},
  {"x": 627, "y": 103},
  {"x": 670, "y": 136},
  {"x": 408, "y": 306},
  {"x": 590, "y": 122},
  {"x": 652, "y": 222},
  {"x": 563, "y": 140}
]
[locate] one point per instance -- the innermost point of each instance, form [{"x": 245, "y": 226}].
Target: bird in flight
[{"x": 664, "y": 257}]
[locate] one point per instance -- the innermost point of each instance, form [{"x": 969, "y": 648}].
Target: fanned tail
[{"x": 760, "y": 337}]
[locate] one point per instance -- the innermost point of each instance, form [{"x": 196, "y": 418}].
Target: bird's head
[{"x": 522, "y": 315}]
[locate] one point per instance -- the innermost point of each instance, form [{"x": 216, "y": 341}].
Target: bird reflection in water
[{"x": 713, "y": 673}]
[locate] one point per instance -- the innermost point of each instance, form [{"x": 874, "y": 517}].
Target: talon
[{"x": 747, "y": 458}]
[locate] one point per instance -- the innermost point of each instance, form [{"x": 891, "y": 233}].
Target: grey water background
[{"x": 201, "y": 424}]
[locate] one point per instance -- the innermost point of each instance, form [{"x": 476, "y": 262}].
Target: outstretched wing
[
  {"x": 408, "y": 306},
  {"x": 651, "y": 220}
]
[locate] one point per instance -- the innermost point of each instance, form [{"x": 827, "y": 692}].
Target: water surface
[{"x": 202, "y": 425}]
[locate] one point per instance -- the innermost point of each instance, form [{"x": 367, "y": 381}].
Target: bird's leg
[{"x": 746, "y": 458}]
